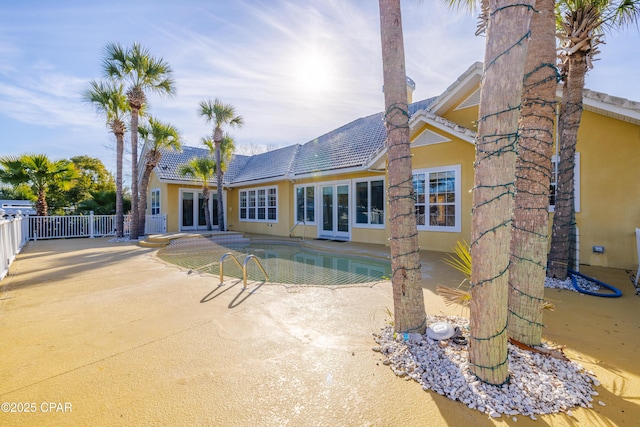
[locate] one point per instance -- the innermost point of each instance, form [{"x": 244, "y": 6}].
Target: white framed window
[
  {"x": 554, "y": 182},
  {"x": 259, "y": 204},
  {"x": 155, "y": 201},
  {"x": 438, "y": 198},
  {"x": 305, "y": 203},
  {"x": 370, "y": 202}
]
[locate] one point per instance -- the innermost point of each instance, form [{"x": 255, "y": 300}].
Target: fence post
[{"x": 91, "y": 225}]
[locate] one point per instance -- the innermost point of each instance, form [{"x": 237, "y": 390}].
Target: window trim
[
  {"x": 256, "y": 204},
  {"x": 151, "y": 204},
  {"x": 457, "y": 169},
  {"x": 295, "y": 203},
  {"x": 354, "y": 213}
]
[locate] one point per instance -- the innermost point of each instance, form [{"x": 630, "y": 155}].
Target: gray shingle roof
[
  {"x": 272, "y": 164},
  {"x": 167, "y": 169},
  {"x": 351, "y": 145},
  {"x": 348, "y": 146}
]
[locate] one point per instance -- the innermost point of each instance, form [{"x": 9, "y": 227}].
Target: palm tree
[
  {"x": 201, "y": 168},
  {"x": 220, "y": 115},
  {"x": 109, "y": 99},
  {"x": 40, "y": 173},
  {"x": 139, "y": 71},
  {"x": 408, "y": 297},
  {"x": 505, "y": 54},
  {"x": 530, "y": 231},
  {"x": 581, "y": 27},
  {"x": 158, "y": 136},
  {"x": 227, "y": 148}
]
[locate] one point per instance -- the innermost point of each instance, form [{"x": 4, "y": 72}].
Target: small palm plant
[{"x": 461, "y": 261}]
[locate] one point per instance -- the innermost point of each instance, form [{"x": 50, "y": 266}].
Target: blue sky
[{"x": 293, "y": 69}]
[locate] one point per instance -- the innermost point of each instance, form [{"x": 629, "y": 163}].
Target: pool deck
[{"x": 99, "y": 333}]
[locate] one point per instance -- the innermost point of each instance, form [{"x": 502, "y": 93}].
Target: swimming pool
[{"x": 285, "y": 263}]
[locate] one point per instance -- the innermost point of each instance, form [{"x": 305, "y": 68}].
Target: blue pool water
[{"x": 284, "y": 263}]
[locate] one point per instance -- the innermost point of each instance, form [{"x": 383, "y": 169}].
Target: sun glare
[{"x": 313, "y": 73}]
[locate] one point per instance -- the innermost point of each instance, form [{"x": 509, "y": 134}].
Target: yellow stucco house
[{"x": 334, "y": 187}]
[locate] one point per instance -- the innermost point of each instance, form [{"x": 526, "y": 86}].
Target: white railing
[
  {"x": 69, "y": 226},
  {"x": 14, "y": 233},
  {"x": 155, "y": 224}
]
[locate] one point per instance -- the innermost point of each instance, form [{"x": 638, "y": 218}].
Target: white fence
[
  {"x": 62, "y": 227},
  {"x": 16, "y": 230},
  {"x": 14, "y": 233}
]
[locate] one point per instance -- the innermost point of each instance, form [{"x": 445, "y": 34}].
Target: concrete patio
[{"x": 99, "y": 333}]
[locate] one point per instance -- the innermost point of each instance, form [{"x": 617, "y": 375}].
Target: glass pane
[
  {"x": 273, "y": 198},
  {"x": 300, "y": 204},
  {"x": 450, "y": 218},
  {"x": 214, "y": 210},
  {"x": 436, "y": 215},
  {"x": 418, "y": 187},
  {"x": 377, "y": 202},
  {"x": 343, "y": 208},
  {"x": 202, "y": 218},
  {"x": 310, "y": 205},
  {"x": 362, "y": 202},
  {"x": 187, "y": 209},
  {"x": 420, "y": 215},
  {"x": 327, "y": 208}
]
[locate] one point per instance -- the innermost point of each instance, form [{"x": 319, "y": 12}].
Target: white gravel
[
  {"x": 567, "y": 284},
  {"x": 539, "y": 384}
]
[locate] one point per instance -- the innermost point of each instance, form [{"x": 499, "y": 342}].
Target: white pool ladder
[{"x": 242, "y": 266}]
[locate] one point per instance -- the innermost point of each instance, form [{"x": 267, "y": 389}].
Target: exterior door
[
  {"x": 335, "y": 212},
  {"x": 192, "y": 213}
]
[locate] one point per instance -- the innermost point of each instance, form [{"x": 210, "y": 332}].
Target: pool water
[{"x": 284, "y": 263}]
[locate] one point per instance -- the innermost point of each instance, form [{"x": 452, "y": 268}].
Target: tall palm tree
[
  {"x": 139, "y": 71},
  {"x": 581, "y": 27},
  {"x": 201, "y": 168},
  {"x": 505, "y": 54},
  {"x": 220, "y": 115},
  {"x": 227, "y": 148},
  {"x": 158, "y": 136},
  {"x": 109, "y": 99},
  {"x": 408, "y": 297},
  {"x": 529, "y": 240},
  {"x": 39, "y": 173}
]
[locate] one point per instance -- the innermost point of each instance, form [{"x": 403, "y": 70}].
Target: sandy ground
[{"x": 98, "y": 333}]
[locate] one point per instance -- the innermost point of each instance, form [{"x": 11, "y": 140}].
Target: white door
[
  {"x": 334, "y": 222},
  {"x": 192, "y": 212}
]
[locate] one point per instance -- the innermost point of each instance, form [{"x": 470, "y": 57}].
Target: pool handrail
[
  {"x": 294, "y": 227},
  {"x": 243, "y": 267},
  {"x": 222, "y": 258}
]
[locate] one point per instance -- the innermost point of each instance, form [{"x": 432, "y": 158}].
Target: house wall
[
  {"x": 274, "y": 228},
  {"x": 609, "y": 190},
  {"x": 456, "y": 152},
  {"x": 466, "y": 117}
]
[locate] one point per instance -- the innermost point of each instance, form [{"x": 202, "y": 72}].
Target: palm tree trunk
[
  {"x": 142, "y": 208},
  {"x": 219, "y": 183},
  {"x": 207, "y": 214},
  {"x": 119, "y": 203},
  {"x": 153, "y": 158},
  {"x": 134, "y": 228},
  {"x": 529, "y": 239},
  {"x": 408, "y": 297},
  {"x": 41, "y": 203},
  {"x": 506, "y": 49},
  {"x": 569, "y": 122}
]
